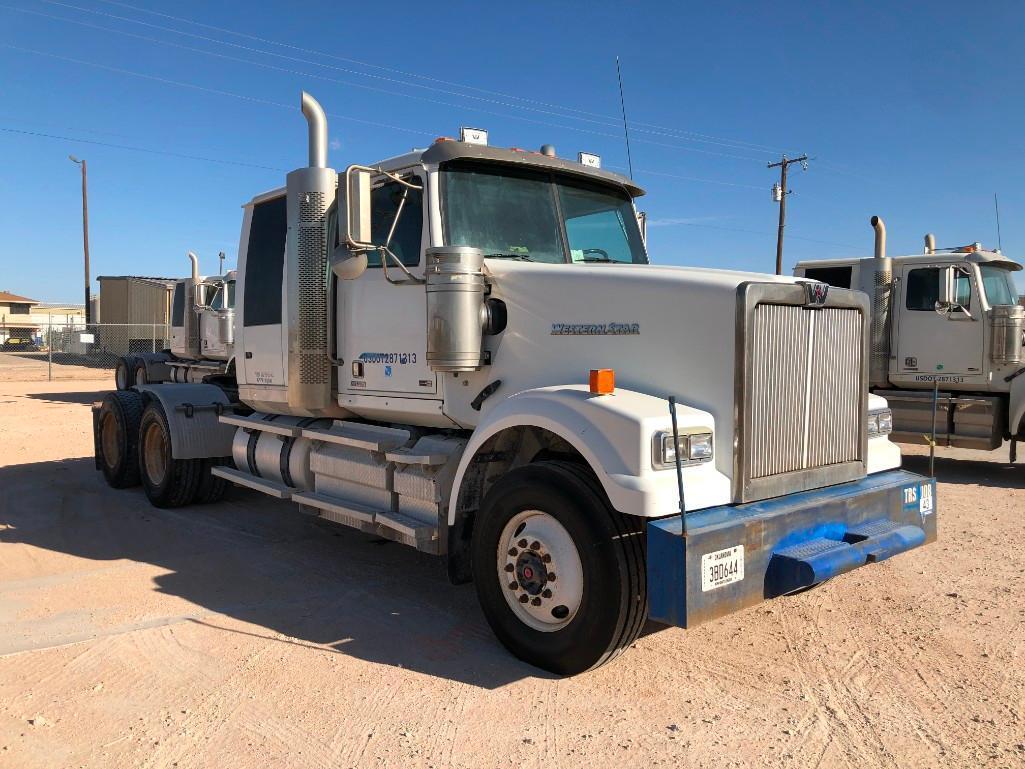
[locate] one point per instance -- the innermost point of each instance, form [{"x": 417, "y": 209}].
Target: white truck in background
[
  {"x": 202, "y": 335},
  {"x": 465, "y": 349},
  {"x": 947, "y": 326}
]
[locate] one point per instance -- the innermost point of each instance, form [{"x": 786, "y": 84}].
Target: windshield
[
  {"x": 536, "y": 216},
  {"x": 999, "y": 285}
]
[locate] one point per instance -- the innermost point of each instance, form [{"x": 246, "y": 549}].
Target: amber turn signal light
[{"x": 603, "y": 381}]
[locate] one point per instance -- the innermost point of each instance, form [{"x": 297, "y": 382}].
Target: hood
[{"x": 663, "y": 330}]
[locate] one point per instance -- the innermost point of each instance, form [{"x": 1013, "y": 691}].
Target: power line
[
  {"x": 665, "y": 130},
  {"x": 649, "y": 172},
  {"x": 603, "y": 121},
  {"x": 344, "y": 82},
  {"x": 147, "y": 150},
  {"x": 763, "y": 232},
  {"x": 196, "y": 87}
]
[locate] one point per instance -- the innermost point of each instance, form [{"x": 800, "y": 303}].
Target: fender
[
  {"x": 615, "y": 435},
  {"x": 1016, "y": 406},
  {"x": 200, "y": 435}
]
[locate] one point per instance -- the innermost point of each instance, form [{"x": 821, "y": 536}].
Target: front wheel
[{"x": 560, "y": 575}]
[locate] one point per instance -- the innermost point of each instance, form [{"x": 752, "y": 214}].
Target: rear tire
[
  {"x": 117, "y": 438},
  {"x": 550, "y": 517},
  {"x": 139, "y": 373},
  {"x": 124, "y": 371},
  {"x": 168, "y": 482}
]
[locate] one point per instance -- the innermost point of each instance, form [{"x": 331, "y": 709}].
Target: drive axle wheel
[
  {"x": 168, "y": 482},
  {"x": 124, "y": 371},
  {"x": 560, "y": 575},
  {"x": 139, "y": 374},
  {"x": 117, "y": 438}
]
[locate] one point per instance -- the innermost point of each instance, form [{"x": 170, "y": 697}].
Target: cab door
[
  {"x": 382, "y": 326},
  {"x": 935, "y": 344}
]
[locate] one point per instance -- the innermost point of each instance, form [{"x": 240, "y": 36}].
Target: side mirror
[
  {"x": 346, "y": 264},
  {"x": 357, "y": 207},
  {"x": 947, "y": 289},
  {"x": 642, "y": 222}
]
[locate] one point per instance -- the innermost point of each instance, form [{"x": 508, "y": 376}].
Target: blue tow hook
[{"x": 815, "y": 560}]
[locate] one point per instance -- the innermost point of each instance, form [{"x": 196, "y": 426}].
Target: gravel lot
[{"x": 244, "y": 635}]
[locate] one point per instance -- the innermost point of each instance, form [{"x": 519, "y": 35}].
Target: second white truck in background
[
  {"x": 946, "y": 326},
  {"x": 202, "y": 335}
]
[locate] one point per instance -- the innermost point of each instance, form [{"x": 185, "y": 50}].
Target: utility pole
[
  {"x": 779, "y": 194},
  {"x": 85, "y": 233}
]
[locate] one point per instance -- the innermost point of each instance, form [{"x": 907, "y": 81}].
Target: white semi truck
[
  {"x": 202, "y": 335},
  {"x": 465, "y": 349},
  {"x": 947, "y": 327}
]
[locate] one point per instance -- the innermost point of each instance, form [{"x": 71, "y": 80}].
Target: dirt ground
[
  {"x": 244, "y": 635},
  {"x": 36, "y": 367}
]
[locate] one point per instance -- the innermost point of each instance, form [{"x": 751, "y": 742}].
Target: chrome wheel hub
[{"x": 540, "y": 572}]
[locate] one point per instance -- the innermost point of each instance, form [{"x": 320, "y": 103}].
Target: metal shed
[{"x": 135, "y": 312}]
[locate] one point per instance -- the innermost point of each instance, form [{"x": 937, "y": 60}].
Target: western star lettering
[{"x": 595, "y": 329}]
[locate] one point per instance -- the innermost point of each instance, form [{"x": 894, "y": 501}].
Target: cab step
[
  {"x": 270, "y": 488},
  {"x": 384, "y": 523}
]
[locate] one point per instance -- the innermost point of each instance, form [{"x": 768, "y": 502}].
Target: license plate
[{"x": 723, "y": 567}]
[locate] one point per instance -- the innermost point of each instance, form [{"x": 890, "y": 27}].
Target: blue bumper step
[
  {"x": 816, "y": 560},
  {"x": 735, "y": 556}
]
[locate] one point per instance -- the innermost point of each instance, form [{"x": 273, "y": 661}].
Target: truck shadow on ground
[
  {"x": 997, "y": 475},
  {"x": 82, "y": 398},
  {"x": 259, "y": 561}
]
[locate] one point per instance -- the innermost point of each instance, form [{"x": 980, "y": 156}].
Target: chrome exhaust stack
[
  {"x": 880, "y": 291},
  {"x": 310, "y": 192},
  {"x": 930, "y": 243},
  {"x": 192, "y": 300}
]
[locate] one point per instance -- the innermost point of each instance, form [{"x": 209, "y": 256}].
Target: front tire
[
  {"x": 560, "y": 575},
  {"x": 168, "y": 482}
]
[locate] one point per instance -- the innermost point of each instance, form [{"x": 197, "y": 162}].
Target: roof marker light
[
  {"x": 473, "y": 136},
  {"x": 589, "y": 160}
]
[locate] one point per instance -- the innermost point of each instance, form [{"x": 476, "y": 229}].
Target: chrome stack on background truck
[
  {"x": 947, "y": 326},
  {"x": 202, "y": 335},
  {"x": 465, "y": 349}
]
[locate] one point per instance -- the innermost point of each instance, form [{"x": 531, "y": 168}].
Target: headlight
[
  {"x": 693, "y": 448},
  {"x": 880, "y": 423}
]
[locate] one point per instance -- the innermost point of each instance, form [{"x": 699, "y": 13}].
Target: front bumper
[{"x": 735, "y": 556}]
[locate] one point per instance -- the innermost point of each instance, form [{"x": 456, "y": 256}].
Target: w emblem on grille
[{"x": 815, "y": 294}]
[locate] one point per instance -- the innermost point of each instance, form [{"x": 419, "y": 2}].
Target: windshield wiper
[
  {"x": 521, "y": 257},
  {"x": 604, "y": 259}
]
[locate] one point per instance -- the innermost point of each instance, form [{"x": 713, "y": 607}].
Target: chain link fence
[{"x": 66, "y": 348}]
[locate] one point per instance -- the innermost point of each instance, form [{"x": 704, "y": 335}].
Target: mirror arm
[
  {"x": 410, "y": 277},
  {"x": 385, "y": 251}
]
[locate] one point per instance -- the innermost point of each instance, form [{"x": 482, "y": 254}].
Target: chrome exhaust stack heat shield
[
  {"x": 880, "y": 267},
  {"x": 310, "y": 192}
]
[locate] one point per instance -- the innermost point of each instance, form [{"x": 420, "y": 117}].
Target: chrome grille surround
[{"x": 801, "y": 390}]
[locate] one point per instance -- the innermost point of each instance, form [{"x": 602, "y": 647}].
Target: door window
[
  {"x": 265, "y": 263},
  {"x": 924, "y": 289},
  {"x": 406, "y": 240}
]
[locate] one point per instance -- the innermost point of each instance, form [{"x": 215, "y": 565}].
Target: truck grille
[{"x": 803, "y": 391}]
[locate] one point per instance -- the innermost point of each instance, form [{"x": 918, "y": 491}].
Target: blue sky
[{"x": 913, "y": 111}]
